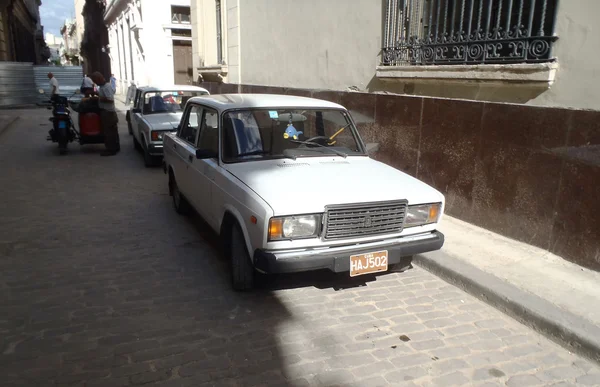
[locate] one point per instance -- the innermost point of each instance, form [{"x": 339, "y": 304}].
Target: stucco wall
[
  {"x": 578, "y": 79},
  {"x": 158, "y": 45},
  {"x": 334, "y": 44},
  {"x": 310, "y": 43}
]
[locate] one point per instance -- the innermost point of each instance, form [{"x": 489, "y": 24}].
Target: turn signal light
[
  {"x": 434, "y": 212},
  {"x": 275, "y": 228}
]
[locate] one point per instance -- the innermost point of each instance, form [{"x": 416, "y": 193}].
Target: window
[
  {"x": 189, "y": 131},
  {"x": 209, "y": 133},
  {"x": 180, "y": 15},
  {"x": 260, "y": 134},
  {"x": 446, "y": 32},
  {"x": 167, "y": 101}
]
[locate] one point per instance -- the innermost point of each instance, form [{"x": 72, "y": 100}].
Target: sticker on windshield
[{"x": 273, "y": 114}]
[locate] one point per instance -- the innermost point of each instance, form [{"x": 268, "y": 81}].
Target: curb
[
  {"x": 573, "y": 332},
  {"x": 8, "y": 125}
]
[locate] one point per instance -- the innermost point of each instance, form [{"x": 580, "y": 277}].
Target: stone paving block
[
  {"x": 372, "y": 368},
  {"x": 453, "y": 379},
  {"x": 442, "y": 367},
  {"x": 427, "y": 345},
  {"x": 405, "y": 374},
  {"x": 338, "y": 378},
  {"x": 589, "y": 379},
  {"x": 523, "y": 381}
]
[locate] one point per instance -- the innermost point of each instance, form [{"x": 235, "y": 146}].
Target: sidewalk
[
  {"x": 556, "y": 297},
  {"x": 120, "y": 103}
]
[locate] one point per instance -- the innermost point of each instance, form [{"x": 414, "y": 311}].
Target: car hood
[
  {"x": 163, "y": 120},
  {"x": 308, "y": 185}
]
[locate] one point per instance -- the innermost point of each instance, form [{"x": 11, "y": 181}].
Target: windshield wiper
[
  {"x": 253, "y": 153},
  {"x": 339, "y": 153}
]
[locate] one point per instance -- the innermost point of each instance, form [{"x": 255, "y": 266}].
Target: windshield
[
  {"x": 278, "y": 133},
  {"x": 167, "y": 101}
]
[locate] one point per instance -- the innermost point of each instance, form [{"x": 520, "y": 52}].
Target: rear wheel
[
  {"x": 242, "y": 270},
  {"x": 180, "y": 204}
]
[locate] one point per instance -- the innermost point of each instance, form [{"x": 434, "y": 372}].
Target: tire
[
  {"x": 402, "y": 266},
  {"x": 181, "y": 205},
  {"x": 136, "y": 144},
  {"x": 149, "y": 160},
  {"x": 242, "y": 270}
]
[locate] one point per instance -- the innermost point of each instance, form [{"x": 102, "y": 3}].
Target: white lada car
[{"x": 288, "y": 185}]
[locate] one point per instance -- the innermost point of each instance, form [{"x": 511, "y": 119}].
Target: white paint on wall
[
  {"x": 577, "y": 81},
  {"x": 151, "y": 45},
  {"x": 329, "y": 44}
]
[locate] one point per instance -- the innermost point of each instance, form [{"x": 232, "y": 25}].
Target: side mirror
[
  {"x": 372, "y": 147},
  {"x": 202, "y": 154}
]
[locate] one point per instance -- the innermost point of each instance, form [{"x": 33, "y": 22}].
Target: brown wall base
[{"x": 529, "y": 173}]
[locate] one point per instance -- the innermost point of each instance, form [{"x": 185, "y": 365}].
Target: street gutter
[{"x": 573, "y": 332}]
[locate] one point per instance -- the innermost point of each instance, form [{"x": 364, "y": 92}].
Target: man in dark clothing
[{"x": 108, "y": 115}]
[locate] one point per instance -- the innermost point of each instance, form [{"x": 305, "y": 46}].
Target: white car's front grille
[{"x": 364, "y": 219}]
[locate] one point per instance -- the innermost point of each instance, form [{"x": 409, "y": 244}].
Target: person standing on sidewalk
[
  {"x": 113, "y": 83},
  {"x": 54, "y": 89},
  {"x": 108, "y": 115}
]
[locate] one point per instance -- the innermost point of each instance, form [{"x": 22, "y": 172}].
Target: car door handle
[{"x": 191, "y": 158}]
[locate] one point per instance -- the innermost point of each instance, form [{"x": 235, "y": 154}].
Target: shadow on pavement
[{"x": 103, "y": 284}]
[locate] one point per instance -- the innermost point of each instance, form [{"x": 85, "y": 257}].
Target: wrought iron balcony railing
[{"x": 447, "y": 32}]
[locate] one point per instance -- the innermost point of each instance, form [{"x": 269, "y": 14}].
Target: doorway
[{"x": 182, "y": 62}]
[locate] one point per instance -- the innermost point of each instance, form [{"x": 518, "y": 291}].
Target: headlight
[
  {"x": 294, "y": 227},
  {"x": 422, "y": 214},
  {"x": 156, "y": 136}
]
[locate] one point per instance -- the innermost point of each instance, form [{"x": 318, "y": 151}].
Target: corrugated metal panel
[
  {"x": 17, "y": 85},
  {"x": 69, "y": 80}
]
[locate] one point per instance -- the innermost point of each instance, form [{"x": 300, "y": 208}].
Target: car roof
[
  {"x": 171, "y": 87},
  {"x": 223, "y": 102}
]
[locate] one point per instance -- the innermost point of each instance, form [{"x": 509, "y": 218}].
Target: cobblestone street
[{"x": 103, "y": 284}]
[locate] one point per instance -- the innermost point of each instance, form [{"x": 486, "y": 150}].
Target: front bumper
[
  {"x": 155, "y": 149},
  {"x": 337, "y": 259}
]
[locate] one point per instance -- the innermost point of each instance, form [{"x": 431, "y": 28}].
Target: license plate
[
  {"x": 368, "y": 263},
  {"x": 62, "y": 124}
]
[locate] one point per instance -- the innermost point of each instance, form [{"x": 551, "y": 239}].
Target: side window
[
  {"x": 209, "y": 131},
  {"x": 136, "y": 99},
  {"x": 189, "y": 130}
]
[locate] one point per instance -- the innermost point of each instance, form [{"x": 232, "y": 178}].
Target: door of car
[
  {"x": 203, "y": 171},
  {"x": 136, "y": 114},
  {"x": 184, "y": 149}
]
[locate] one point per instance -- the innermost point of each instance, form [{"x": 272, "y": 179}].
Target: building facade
[
  {"x": 56, "y": 46},
  {"x": 150, "y": 42},
  {"x": 21, "y": 34},
  {"x": 540, "y": 53},
  {"x": 71, "y": 43},
  {"x": 79, "y": 23}
]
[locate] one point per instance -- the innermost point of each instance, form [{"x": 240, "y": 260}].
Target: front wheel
[
  {"x": 136, "y": 144},
  {"x": 149, "y": 160},
  {"x": 242, "y": 270}
]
